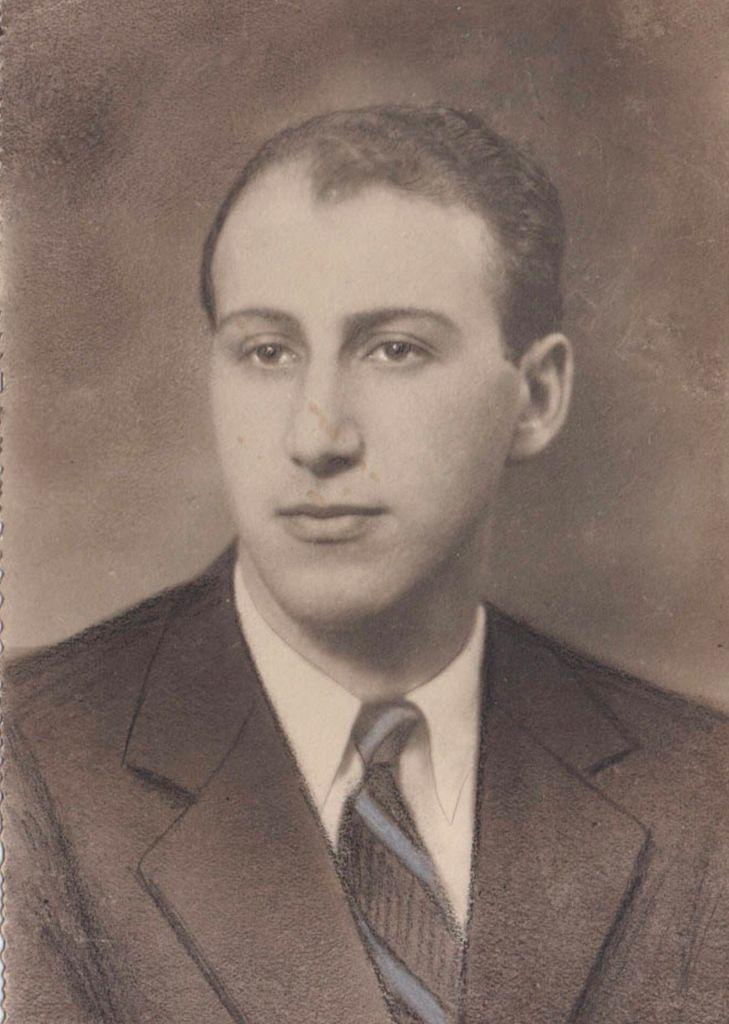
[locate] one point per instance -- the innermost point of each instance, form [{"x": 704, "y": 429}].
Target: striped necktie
[{"x": 398, "y": 899}]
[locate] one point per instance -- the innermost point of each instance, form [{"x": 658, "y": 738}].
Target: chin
[{"x": 324, "y": 599}]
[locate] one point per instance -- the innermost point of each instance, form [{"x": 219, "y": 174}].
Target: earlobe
[{"x": 547, "y": 370}]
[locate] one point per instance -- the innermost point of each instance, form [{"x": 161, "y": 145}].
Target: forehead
[{"x": 378, "y": 247}]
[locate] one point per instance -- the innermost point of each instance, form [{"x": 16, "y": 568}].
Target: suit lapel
[
  {"x": 245, "y": 876},
  {"x": 557, "y": 862}
]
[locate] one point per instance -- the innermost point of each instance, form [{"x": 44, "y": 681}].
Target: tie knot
[{"x": 382, "y": 730}]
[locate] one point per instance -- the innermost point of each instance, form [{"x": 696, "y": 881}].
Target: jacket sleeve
[
  {"x": 705, "y": 966},
  {"x": 52, "y": 975}
]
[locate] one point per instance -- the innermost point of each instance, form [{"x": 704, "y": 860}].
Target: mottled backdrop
[{"x": 124, "y": 123}]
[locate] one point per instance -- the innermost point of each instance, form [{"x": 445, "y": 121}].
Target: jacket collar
[
  {"x": 199, "y": 690},
  {"x": 548, "y": 691},
  {"x": 556, "y": 864},
  {"x": 202, "y": 684}
]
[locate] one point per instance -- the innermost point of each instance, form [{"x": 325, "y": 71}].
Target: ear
[{"x": 546, "y": 370}]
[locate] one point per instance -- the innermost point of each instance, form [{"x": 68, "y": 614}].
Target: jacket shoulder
[
  {"x": 104, "y": 654},
  {"x": 650, "y": 713}
]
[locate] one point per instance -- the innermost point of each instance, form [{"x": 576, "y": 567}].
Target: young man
[{"x": 324, "y": 782}]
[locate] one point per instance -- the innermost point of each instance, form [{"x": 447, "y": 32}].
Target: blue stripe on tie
[
  {"x": 395, "y": 839},
  {"x": 388, "y": 721},
  {"x": 403, "y": 985}
]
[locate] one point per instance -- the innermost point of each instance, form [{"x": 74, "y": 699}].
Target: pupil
[
  {"x": 398, "y": 349},
  {"x": 269, "y": 352}
]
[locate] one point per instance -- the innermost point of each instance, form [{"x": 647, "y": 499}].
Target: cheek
[
  {"x": 445, "y": 444},
  {"x": 247, "y": 424}
]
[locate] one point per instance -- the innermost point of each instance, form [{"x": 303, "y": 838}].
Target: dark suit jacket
[{"x": 165, "y": 865}]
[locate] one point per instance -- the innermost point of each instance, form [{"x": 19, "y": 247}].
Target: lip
[
  {"x": 329, "y": 524},
  {"x": 329, "y": 511}
]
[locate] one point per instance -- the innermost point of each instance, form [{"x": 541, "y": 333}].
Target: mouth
[
  {"x": 328, "y": 511},
  {"x": 329, "y": 524}
]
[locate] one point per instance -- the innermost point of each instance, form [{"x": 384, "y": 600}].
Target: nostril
[
  {"x": 330, "y": 465},
  {"x": 325, "y": 465}
]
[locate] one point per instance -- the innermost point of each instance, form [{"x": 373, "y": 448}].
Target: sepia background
[{"x": 124, "y": 124}]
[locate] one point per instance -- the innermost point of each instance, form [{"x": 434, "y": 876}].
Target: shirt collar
[
  {"x": 310, "y": 705},
  {"x": 450, "y": 703}
]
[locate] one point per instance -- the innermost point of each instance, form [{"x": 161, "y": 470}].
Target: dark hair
[{"x": 447, "y": 156}]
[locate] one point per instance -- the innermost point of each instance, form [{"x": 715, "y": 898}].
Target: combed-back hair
[{"x": 450, "y": 157}]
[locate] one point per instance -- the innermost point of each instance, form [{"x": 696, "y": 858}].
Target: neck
[{"x": 389, "y": 653}]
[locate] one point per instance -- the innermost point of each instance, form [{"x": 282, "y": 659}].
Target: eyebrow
[
  {"x": 275, "y": 316},
  {"x": 354, "y": 325},
  {"x": 361, "y": 322}
]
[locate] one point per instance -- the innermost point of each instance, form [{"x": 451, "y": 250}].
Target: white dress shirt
[{"x": 437, "y": 767}]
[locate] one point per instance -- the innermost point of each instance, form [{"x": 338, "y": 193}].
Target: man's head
[{"x": 384, "y": 290}]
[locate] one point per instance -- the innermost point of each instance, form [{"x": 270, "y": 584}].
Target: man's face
[{"x": 363, "y": 402}]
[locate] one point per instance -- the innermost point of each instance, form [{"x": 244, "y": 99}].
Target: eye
[
  {"x": 269, "y": 354},
  {"x": 397, "y": 351}
]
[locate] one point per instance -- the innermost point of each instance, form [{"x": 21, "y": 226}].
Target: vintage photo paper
[{"x": 365, "y": 512}]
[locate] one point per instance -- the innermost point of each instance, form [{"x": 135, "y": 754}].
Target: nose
[{"x": 323, "y": 437}]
